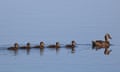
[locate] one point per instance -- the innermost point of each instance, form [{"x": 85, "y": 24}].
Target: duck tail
[{"x": 93, "y": 44}]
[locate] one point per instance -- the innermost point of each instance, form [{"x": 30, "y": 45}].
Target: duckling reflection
[
  {"x": 102, "y": 44},
  {"x": 40, "y": 46},
  {"x": 57, "y": 45},
  {"x": 57, "y": 50},
  {"x": 28, "y": 51},
  {"x": 72, "y": 45},
  {"x": 72, "y": 50},
  {"x": 41, "y": 51}
]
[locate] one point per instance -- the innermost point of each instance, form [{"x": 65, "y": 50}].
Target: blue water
[
  {"x": 61, "y": 21},
  {"x": 83, "y": 58}
]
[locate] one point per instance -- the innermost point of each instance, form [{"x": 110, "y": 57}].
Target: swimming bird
[
  {"x": 101, "y": 43},
  {"x": 57, "y": 45},
  {"x": 25, "y": 47},
  {"x": 42, "y": 45},
  {"x": 72, "y": 45},
  {"x": 15, "y": 47}
]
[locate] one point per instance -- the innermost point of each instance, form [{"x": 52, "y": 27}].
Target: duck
[
  {"x": 72, "y": 45},
  {"x": 15, "y": 47},
  {"x": 57, "y": 45},
  {"x": 101, "y": 43},
  {"x": 42, "y": 45},
  {"x": 25, "y": 47}
]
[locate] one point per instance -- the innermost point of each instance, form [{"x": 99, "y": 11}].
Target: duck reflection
[
  {"x": 107, "y": 51},
  {"x": 41, "y": 51},
  {"x": 28, "y": 51},
  {"x": 73, "y": 50}
]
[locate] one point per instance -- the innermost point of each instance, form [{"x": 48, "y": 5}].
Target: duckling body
[
  {"x": 26, "y": 47},
  {"x": 72, "y": 45},
  {"x": 57, "y": 45},
  {"x": 15, "y": 47},
  {"x": 40, "y": 46},
  {"x": 102, "y": 44}
]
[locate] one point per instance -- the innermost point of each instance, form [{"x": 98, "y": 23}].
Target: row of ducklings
[
  {"x": 42, "y": 45},
  {"x": 95, "y": 44}
]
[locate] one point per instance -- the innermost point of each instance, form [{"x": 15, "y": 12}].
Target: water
[
  {"x": 83, "y": 58},
  {"x": 64, "y": 20}
]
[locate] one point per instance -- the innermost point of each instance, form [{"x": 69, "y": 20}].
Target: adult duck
[
  {"x": 42, "y": 45},
  {"x": 101, "y": 43},
  {"x": 72, "y": 45},
  {"x": 15, "y": 47},
  {"x": 57, "y": 45},
  {"x": 25, "y": 47}
]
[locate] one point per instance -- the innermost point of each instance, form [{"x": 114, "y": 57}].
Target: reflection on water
[
  {"x": 14, "y": 51},
  {"x": 41, "y": 51},
  {"x": 72, "y": 49},
  {"x": 107, "y": 49},
  {"x": 28, "y": 51}
]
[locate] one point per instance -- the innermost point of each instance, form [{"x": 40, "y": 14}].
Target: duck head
[
  {"x": 28, "y": 44},
  {"x": 16, "y": 45},
  {"x": 42, "y": 44},
  {"x": 57, "y": 44},
  {"x": 107, "y": 37},
  {"x": 73, "y": 43}
]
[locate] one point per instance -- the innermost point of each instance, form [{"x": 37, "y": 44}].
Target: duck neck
[{"x": 106, "y": 39}]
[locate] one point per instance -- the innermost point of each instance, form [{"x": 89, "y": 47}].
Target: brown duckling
[
  {"x": 102, "y": 44},
  {"x": 15, "y": 47},
  {"x": 57, "y": 45},
  {"x": 25, "y": 47},
  {"x": 40, "y": 46},
  {"x": 72, "y": 45}
]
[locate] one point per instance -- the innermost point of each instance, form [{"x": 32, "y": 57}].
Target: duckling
[
  {"x": 57, "y": 45},
  {"x": 102, "y": 44},
  {"x": 72, "y": 45},
  {"x": 40, "y": 46},
  {"x": 15, "y": 47},
  {"x": 26, "y": 47}
]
